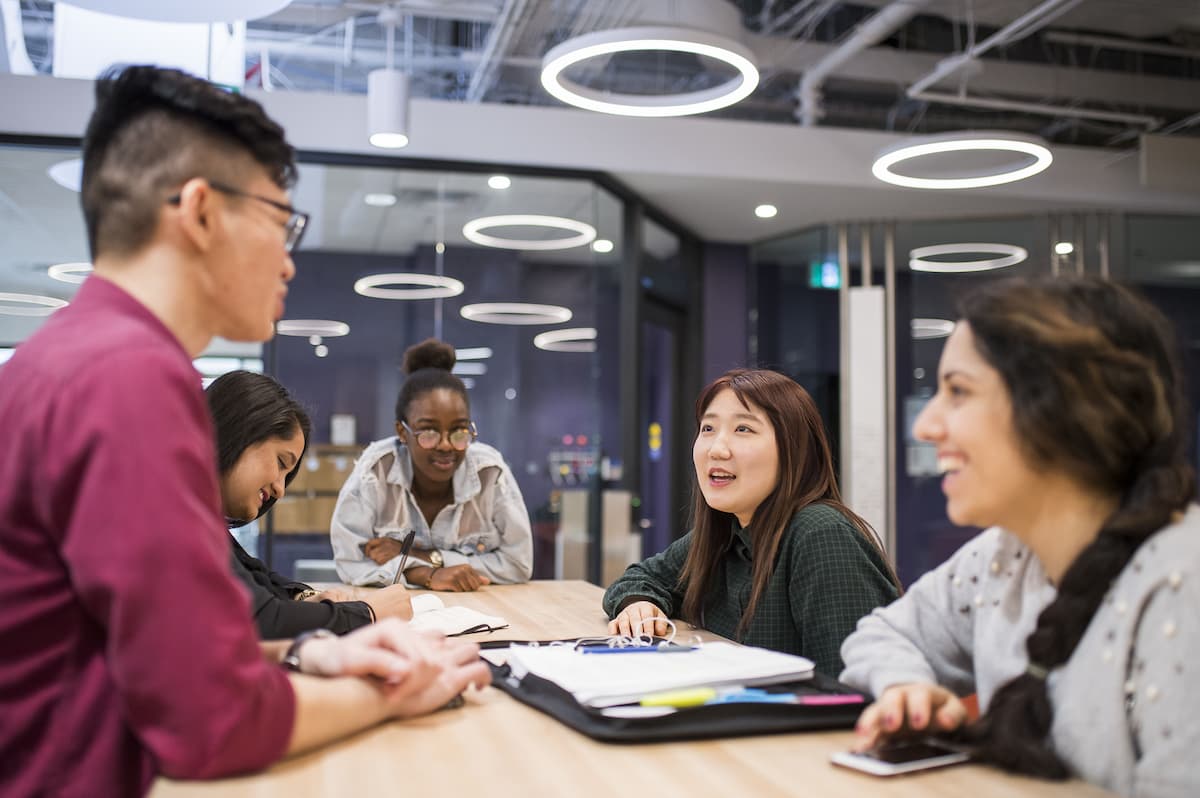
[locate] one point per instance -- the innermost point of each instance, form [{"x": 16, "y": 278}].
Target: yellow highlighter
[{"x": 693, "y": 697}]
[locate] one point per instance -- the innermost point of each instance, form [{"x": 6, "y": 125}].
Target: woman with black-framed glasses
[{"x": 472, "y": 527}]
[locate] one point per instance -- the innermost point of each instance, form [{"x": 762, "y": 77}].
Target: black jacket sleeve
[{"x": 277, "y": 615}]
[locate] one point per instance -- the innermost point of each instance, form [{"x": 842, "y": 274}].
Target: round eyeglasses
[{"x": 460, "y": 437}]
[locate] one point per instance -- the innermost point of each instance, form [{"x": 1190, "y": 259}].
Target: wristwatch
[
  {"x": 435, "y": 561},
  {"x": 291, "y": 660},
  {"x": 305, "y": 594}
]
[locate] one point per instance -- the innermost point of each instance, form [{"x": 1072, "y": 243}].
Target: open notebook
[
  {"x": 603, "y": 681},
  {"x": 430, "y": 613}
]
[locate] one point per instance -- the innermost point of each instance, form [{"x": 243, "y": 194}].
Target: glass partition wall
[
  {"x": 798, "y": 328},
  {"x": 523, "y": 272}
]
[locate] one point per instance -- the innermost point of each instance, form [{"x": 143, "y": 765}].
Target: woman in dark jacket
[{"x": 262, "y": 433}]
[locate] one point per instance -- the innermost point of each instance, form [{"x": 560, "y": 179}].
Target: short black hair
[
  {"x": 249, "y": 408},
  {"x": 154, "y": 129},
  {"x": 428, "y": 366}
]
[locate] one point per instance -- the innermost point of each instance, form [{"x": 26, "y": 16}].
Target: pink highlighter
[{"x": 829, "y": 700}]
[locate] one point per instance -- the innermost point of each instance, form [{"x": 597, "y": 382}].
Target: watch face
[{"x": 435, "y": 557}]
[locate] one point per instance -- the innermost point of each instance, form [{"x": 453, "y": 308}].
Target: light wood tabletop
[{"x": 495, "y": 746}]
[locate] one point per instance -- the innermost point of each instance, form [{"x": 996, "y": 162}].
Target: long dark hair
[
  {"x": 428, "y": 366},
  {"x": 1091, "y": 369},
  {"x": 249, "y": 408},
  {"x": 806, "y": 476}
]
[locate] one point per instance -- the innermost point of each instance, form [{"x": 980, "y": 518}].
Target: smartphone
[{"x": 893, "y": 759}]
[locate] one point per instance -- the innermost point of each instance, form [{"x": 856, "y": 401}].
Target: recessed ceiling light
[
  {"x": 963, "y": 142},
  {"x": 473, "y": 353},
  {"x": 305, "y": 328},
  {"x": 68, "y": 173},
  {"x": 314, "y": 339},
  {"x": 924, "y": 329},
  {"x": 602, "y": 245},
  {"x": 436, "y": 286},
  {"x": 1064, "y": 248},
  {"x": 1010, "y": 255},
  {"x": 584, "y": 232},
  {"x": 69, "y": 272},
  {"x": 765, "y": 211},
  {"x": 30, "y": 304},
  {"x": 380, "y": 200},
  {"x": 499, "y": 182},
  {"x": 320, "y": 350},
  {"x": 577, "y": 339},
  {"x": 649, "y": 39},
  {"x": 515, "y": 313}
]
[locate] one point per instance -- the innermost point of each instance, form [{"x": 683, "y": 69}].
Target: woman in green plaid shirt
[{"x": 775, "y": 559}]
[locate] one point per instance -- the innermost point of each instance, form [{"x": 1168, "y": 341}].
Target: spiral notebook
[{"x": 604, "y": 681}]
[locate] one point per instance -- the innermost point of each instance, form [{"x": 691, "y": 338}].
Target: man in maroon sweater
[{"x": 126, "y": 646}]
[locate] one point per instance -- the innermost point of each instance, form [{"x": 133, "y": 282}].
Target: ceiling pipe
[
  {"x": 1115, "y": 43},
  {"x": 499, "y": 37},
  {"x": 1020, "y": 27},
  {"x": 869, "y": 33},
  {"x": 1024, "y": 25}
]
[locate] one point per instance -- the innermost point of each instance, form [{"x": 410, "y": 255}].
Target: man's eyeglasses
[
  {"x": 460, "y": 437},
  {"x": 293, "y": 227}
]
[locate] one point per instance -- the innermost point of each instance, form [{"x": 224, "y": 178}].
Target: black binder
[{"x": 691, "y": 723}]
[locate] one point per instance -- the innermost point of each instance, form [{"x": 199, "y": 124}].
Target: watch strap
[{"x": 291, "y": 659}]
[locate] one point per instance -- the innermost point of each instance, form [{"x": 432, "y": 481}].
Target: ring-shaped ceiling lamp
[
  {"x": 1010, "y": 255},
  {"x": 210, "y": 11},
  {"x": 515, "y": 313},
  {"x": 29, "y": 304},
  {"x": 435, "y": 286},
  {"x": 1031, "y": 146},
  {"x": 304, "y": 328},
  {"x": 68, "y": 173},
  {"x": 69, "y": 272},
  {"x": 573, "y": 339},
  {"x": 584, "y": 232},
  {"x": 654, "y": 39},
  {"x": 925, "y": 329}
]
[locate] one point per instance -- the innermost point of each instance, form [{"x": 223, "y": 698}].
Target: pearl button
[
  {"x": 1121, "y": 607},
  {"x": 1130, "y": 687},
  {"x": 1107, "y": 655},
  {"x": 979, "y": 601},
  {"x": 995, "y": 567},
  {"x": 1169, "y": 629},
  {"x": 1152, "y": 693},
  {"x": 957, "y": 581},
  {"x": 1175, "y": 579}
]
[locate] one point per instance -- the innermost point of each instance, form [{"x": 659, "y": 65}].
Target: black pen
[{"x": 405, "y": 548}]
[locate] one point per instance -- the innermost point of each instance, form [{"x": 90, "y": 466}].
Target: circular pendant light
[
  {"x": 575, "y": 339},
  {"x": 68, "y": 173},
  {"x": 434, "y": 286},
  {"x": 1010, "y": 255},
  {"x": 925, "y": 329},
  {"x": 1030, "y": 146},
  {"x": 305, "y": 328},
  {"x": 584, "y": 232},
  {"x": 69, "y": 272},
  {"x": 210, "y": 11},
  {"x": 649, "y": 39},
  {"x": 29, "y": 304},
  {"x": 515, "y": 313}
]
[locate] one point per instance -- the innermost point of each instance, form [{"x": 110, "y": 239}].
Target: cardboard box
[{"x": 291, "y": 514}]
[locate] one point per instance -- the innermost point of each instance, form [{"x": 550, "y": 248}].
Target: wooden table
[{"x": 495, "y": 746}]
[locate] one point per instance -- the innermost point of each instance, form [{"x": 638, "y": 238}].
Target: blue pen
[
  {"x": 634, "y": 649},
  {"x": 751, "y": 695}
]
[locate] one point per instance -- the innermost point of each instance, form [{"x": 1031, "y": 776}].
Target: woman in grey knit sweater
[{"x": 1059, "y": 423}]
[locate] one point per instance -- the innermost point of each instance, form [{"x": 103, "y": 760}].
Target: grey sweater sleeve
[
  {"x": 1163, "y": 714},
  {"x": 924, "y": 636}
]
